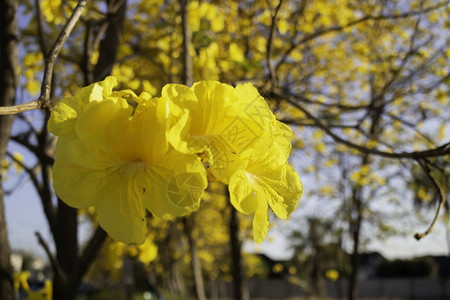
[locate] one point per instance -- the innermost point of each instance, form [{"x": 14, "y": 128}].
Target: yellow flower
[
  {"x": 242, "y": 144},
  {"x": 67, "y": 111},
  {"x": 265, "y": 182},
  {"x": 148, "y": 251},
  {"x": 226, "y": 125},
  {"x": 117, "y": 158},
  {"x": 43, "y": 294},
  {"x": 124, "y": 154}
]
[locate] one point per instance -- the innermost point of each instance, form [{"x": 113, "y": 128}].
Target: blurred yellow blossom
[{"x": 332, "y": 274}]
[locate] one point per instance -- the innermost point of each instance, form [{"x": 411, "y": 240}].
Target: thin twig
[
  {"x": 44, "y": 99},
  {"x": 54, "y": 52},
  {"x": 40, "y": 27},
  {"x": 53, "y": 260},
  {"x": 32, "y": 172},
  {"x": 270, "y": 66},
  {"x": 442, "y": 199},
  {"x": 15, "y": 109},
  {"x": 90, "y": 252}
]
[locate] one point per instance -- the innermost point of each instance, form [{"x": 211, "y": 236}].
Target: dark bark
[
  {"x": 317, "y": 286},
  {"x": 8, "y": 85},
  {"x": 66, "y": 241},
  {"x": 172, "y": 277},
  {"x": 355, "y": 228},
  {"x": 89, "y": 253},
  {"x": 6, "y": 280},
  {"x": 188, "y": 74},
  {"x": 110, "y": 43},
  {"x": 239, "y": 288}
]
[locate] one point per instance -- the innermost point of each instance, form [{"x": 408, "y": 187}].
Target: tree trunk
[
  {"x": 239, "y": 289},
  {"x": 195, "y": 262},
  {"x": 172, "y": 280},
  {"x": 355, "y": 228},
  {"x": 188, "y": 74},
  {"x": 110, "y": 44},
  {"x": 8, "y": 85},
  {"x": 66, "y": 240},
  {"x": 317, "y": 286},
  {"x": 6, "y": 280}
]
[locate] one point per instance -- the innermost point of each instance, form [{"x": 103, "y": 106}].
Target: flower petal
[
  {"x": 76, "y": 176},
  {"x": 175, "y": 185},
  {"x": 261, "y": 221},
  {"x": 282, "y": 193},
  {"x": 242, "y": 193},
  {"x": 65, "y": 113},
  {"x": 119, "y": 206}
]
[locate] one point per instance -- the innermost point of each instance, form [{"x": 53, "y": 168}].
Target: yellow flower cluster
[
  {"x": 21, "y": 283},
  {"x": 125, "y": 153}
]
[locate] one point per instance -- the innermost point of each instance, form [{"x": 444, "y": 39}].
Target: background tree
[
  {"x": 8, "y": 86},
  {"x": 68, "y": 264},
  {"x": 365, "y": 86}
]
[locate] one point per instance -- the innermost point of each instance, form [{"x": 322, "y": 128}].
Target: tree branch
[
  {"x": 40, "y": 27},
  {"x": 47, "y": 204},
  {"x": 44, "y": 99},
  {"x": 442, "y": 199},
  {"x": 438, "y": 151},
  {"x": 109, "y": 45},
  {"x": 15, "y": 109},
  {"x": 54, "y": 52},
  {"x": 90, "y": 252},
  {"x": 270, "y": 66},
  {"x": 188, "y": 77},
  {"x": 52, "y": 258}
]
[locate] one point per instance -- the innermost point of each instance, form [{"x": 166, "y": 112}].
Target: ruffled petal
[
  {"x": 63, "y": 118},
  {"x": 175, "y": 185},
  {"x": 282, "y": 136},
  {"x": 76, "y": 175},
  {"x": 266, "y": 180},
  {"x": 242, "y": 193},
  {"x": 282, "y": 191},
  {"x": 253, "y": 107},
  {"x": 92, "y": 125},
  {"x": 65, "y": 113},
  {"x": 261, "y": 221},
  {"x": 119, "y": 206}
]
